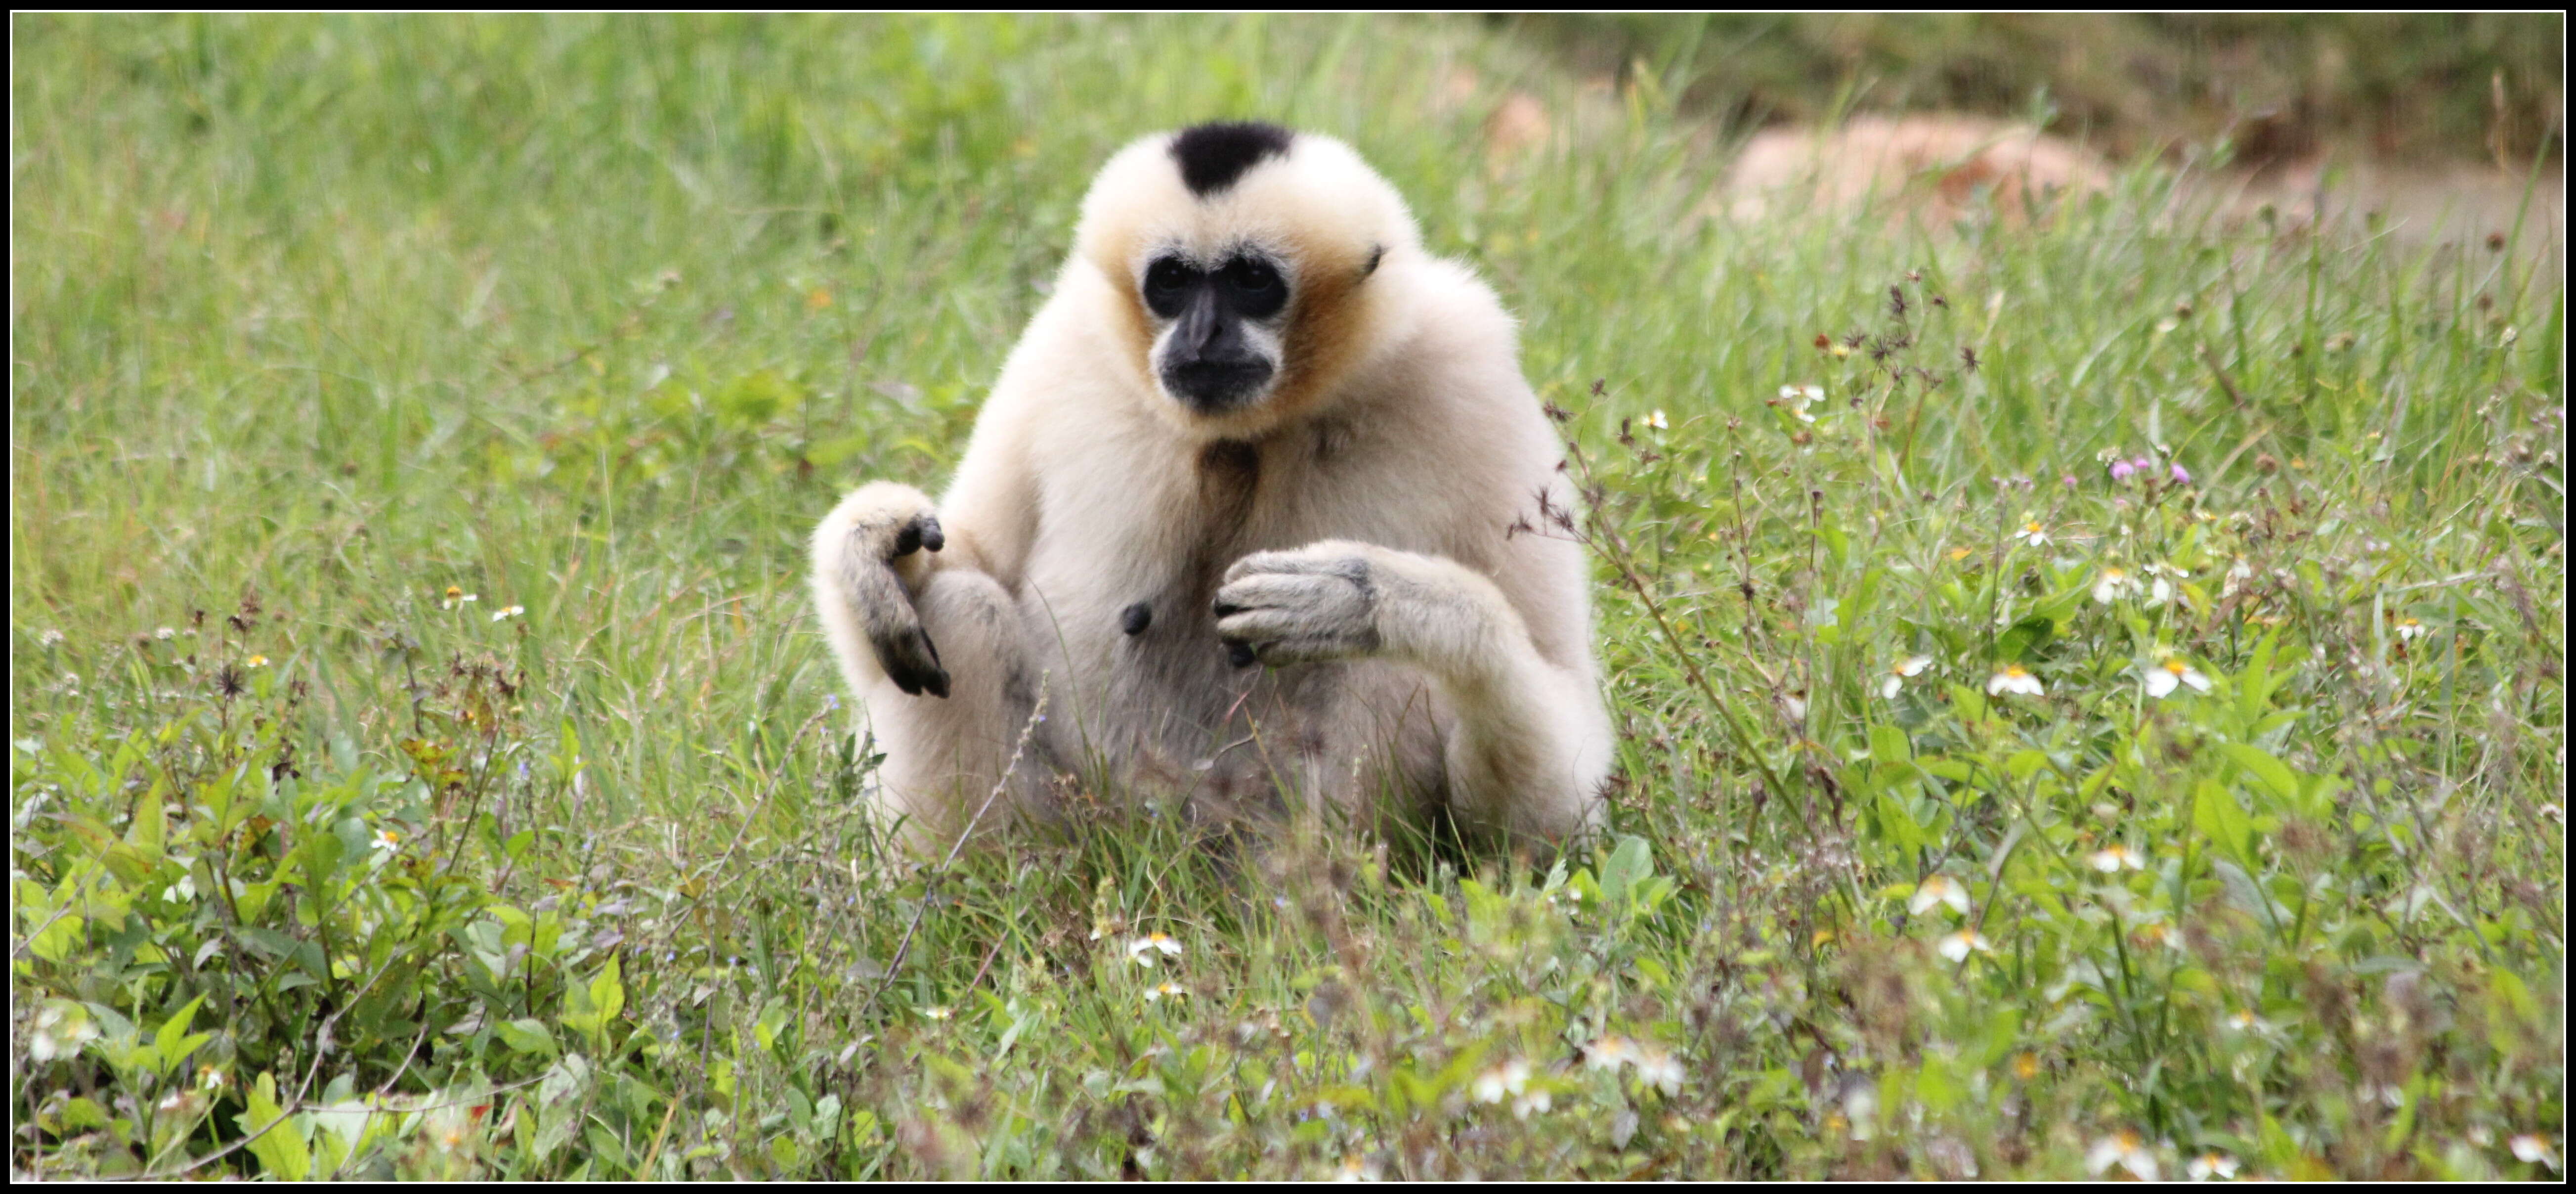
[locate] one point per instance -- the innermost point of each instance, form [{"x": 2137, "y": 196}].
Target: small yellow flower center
[
  {"x": 2175, "y": 666},
  {"x": 2016, "y": 671},
  {"x": 2031, "y": 527},
  {"x": 453, "y": 592}
]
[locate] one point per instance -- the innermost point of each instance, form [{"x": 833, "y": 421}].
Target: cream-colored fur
[{"x": 1356, "y": 524}]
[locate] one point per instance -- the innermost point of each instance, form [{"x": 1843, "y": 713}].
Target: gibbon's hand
[
  {"x": 876, "y": 540},
  {"x": 1314, "y": 603}
]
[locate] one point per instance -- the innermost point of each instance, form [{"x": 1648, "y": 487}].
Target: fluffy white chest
[{"x": 1121, "y": 610}]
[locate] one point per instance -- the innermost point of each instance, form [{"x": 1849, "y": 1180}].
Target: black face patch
[
  {"x": 1213, "y": 155},
  {"x": 1209, "y": 361}
]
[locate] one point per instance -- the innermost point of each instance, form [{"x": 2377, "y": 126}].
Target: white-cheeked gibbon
[{"x": 1252, "y": 503}]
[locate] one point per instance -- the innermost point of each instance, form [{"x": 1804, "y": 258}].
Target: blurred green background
[{"x": 2441, "y": 86}]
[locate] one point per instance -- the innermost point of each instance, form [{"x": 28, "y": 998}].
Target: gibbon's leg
[
  {"x": 1531, "y": 742},
  {"x": 935, "y": 656}
]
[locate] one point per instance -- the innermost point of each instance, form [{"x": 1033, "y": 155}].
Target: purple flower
[
  {"x": 2068, "y": 480},
  {"x": 2181, "y": 475},
  {"x": 2121, "y": 470}
]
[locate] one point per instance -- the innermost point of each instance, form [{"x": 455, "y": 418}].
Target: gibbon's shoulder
[{"x": 1454, "y": 324}]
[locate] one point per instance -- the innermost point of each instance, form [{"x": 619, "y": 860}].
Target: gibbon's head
[{"x": 1242, "y": 256}]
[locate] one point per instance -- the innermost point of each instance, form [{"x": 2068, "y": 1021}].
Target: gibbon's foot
[
  {"x": 1282, "y": 607},
  {"x": 885, "y": 525}
]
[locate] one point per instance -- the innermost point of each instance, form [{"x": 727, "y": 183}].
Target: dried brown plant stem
[
  {"x": 1619, "y": 557},
  {"x": 930, "y": 887}
]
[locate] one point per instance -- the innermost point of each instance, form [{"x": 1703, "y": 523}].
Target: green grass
[{"x": 313, "y": 319}]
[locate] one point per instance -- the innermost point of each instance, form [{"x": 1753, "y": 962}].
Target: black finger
[
  {"x": 912, "y": 661},
  {"x": 907, "y": 540},
  {"x": 915, "y": 677},
  {"x": 937, "y": 680},
  {"x": 931, "y": 536}
]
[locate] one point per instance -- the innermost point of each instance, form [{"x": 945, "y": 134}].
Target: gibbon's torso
[{"x": 1130, "y": 509}]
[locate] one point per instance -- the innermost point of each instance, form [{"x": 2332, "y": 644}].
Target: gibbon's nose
[
  {"x": 1210, "y": 332},
  {"x": 1209, "y": 364}
]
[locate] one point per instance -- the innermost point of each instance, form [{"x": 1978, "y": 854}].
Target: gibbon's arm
[
  {"x": 876, "y": 552},
  {"x": 1531, "y": 742}
]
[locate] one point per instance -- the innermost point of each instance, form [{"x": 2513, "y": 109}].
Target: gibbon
[{"x": 1251, "y": 504}]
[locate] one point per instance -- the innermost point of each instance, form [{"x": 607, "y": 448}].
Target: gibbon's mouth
[{"x": 1214, "y": 387}]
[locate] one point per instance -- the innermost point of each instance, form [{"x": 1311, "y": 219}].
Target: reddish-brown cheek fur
[{"x": 1323, "y": 338}]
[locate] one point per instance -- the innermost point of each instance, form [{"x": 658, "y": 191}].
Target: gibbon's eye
[
  {"x": 1259, "y": 291},
  {"x": 1167, "y": 286}
]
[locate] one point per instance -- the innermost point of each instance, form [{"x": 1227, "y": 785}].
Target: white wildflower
[
  {"x": 2016, "y": 679},
  {"x": 2111, "y": 860},
  {"x": 1800, "y": 398},
  {"x": 1659, "y": 1069},
  {"x": 2113, "y": 585},
  {"x": 1609, "y": 1053},
  {"x": 1957, "y": 946},
  {"x": 59, "y": 1031},
  {"x": 2160, "y": 589},
  {"x": 1936, "y": 891},
  {"x": 2172, "y": 674},
  {"x": 2126, "y": 1149},
  {"x": 1144, "y": 948},
  {"x": 1509, "y": 1078},
  {"x": 1905, "y": 669}
]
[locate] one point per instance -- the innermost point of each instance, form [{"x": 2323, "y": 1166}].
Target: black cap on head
[{"x": 1215, "y": 154}]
